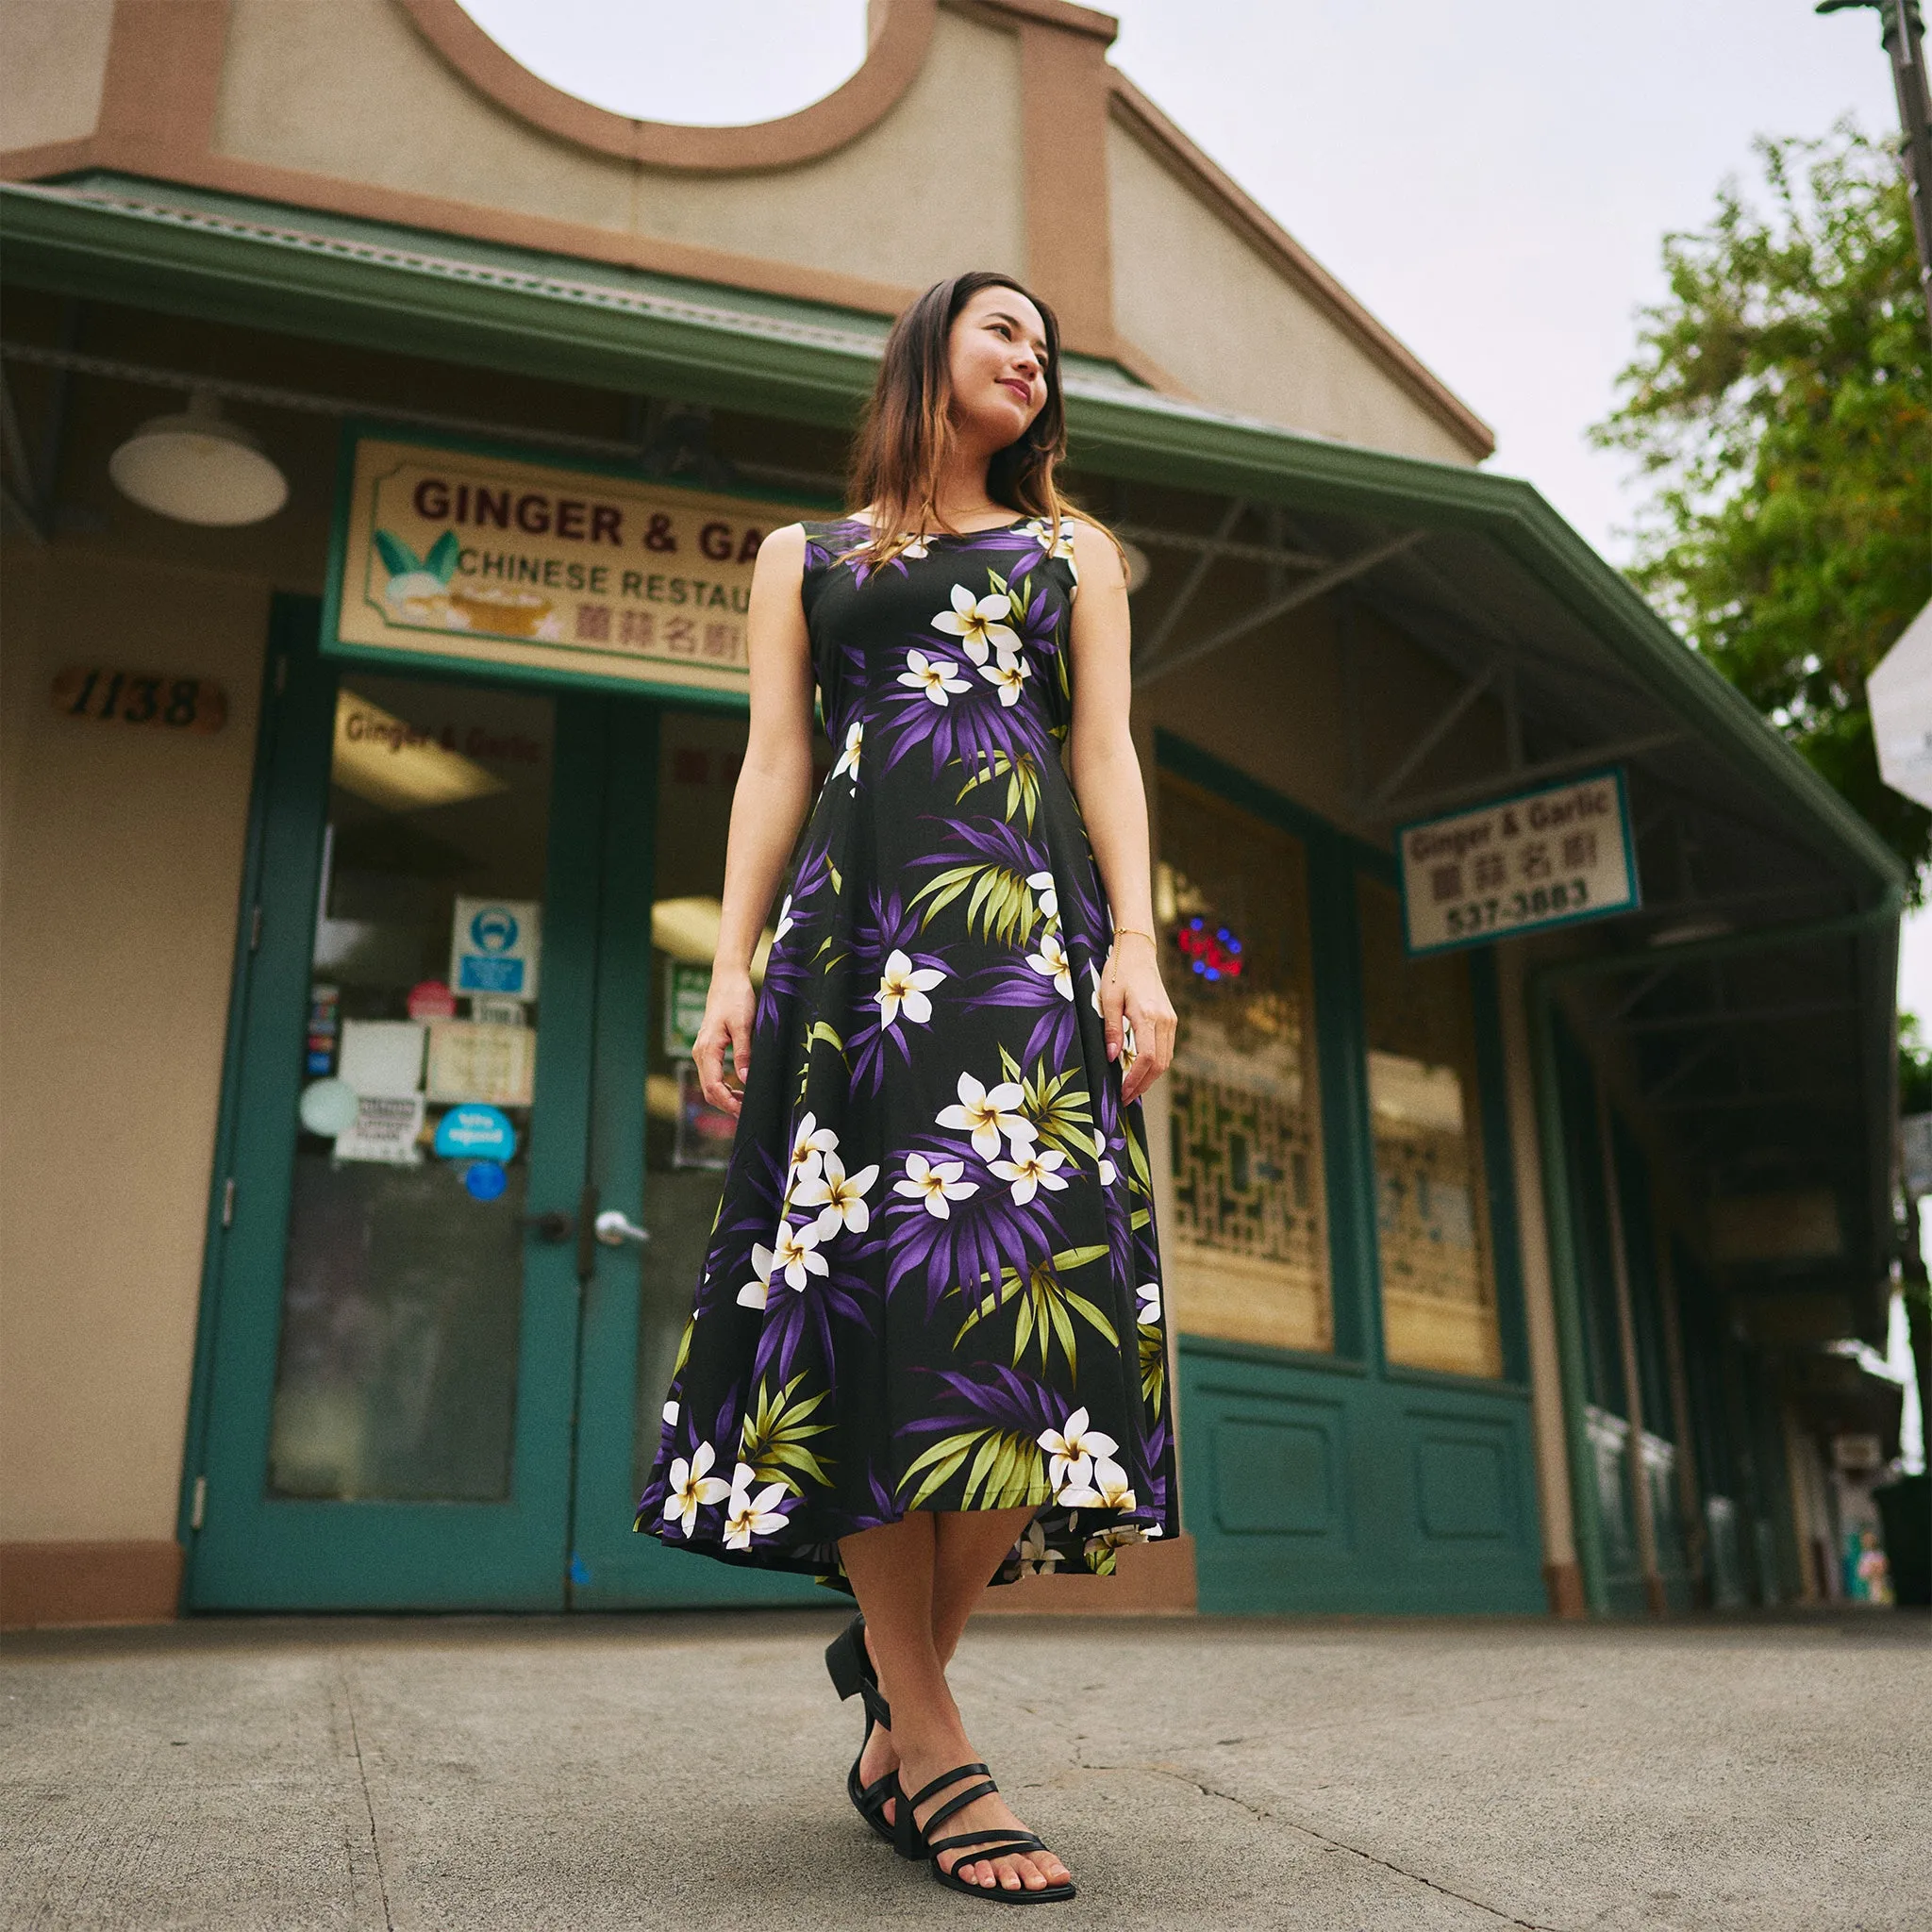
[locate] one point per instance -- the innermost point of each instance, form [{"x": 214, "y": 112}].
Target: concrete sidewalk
[{"x": 686, "y": 1772}]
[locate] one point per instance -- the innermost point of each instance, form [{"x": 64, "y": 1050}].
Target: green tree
[{"x": 1780, "y": 406}]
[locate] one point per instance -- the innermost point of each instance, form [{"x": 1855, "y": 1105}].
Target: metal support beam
[
  {"x": 1305, "y": 592},
  {"x": 1274, "y": 556},
  {"x": 1193, "y": 581},
  {"x": 1746, "y": 1016},
  {"x": 1445, "y": 723},
  {"x": 1583, "y": 759}
]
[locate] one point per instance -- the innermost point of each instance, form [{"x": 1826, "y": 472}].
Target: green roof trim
[{"x": 450, "y": 299}]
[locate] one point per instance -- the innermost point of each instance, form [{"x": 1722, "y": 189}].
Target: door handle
[
  {"x": 614, "y": 1227},
  {"x": 553, "y": 1229}
]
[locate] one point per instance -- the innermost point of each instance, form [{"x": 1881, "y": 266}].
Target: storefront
[{"x": 362, "y": 868}]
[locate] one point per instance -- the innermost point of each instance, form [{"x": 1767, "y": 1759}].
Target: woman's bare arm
[
  {"x": 768, "y": 804},
  {"x": 1113, "y": 801}
]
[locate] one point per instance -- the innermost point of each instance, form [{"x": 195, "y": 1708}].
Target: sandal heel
[{"x": 844, "y": 1663}]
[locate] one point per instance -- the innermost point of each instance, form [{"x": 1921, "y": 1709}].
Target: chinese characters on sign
[
  {"x": 483, "y": 558},
  {"x": 1541, "y": 858}
]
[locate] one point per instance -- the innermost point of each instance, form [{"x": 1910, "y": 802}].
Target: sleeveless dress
[{"x": 932, "y": 1282}]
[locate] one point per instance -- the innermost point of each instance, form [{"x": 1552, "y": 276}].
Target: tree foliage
[{"x": 1780, "y": 405}]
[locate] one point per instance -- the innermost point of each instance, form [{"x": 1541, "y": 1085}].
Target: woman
[{"x": 928, "y": 1351}]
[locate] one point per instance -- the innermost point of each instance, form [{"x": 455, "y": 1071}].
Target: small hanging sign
[{"x": 1536, "y": 859}]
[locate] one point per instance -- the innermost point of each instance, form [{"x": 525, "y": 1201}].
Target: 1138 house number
[{"x": 140, "y": 698}]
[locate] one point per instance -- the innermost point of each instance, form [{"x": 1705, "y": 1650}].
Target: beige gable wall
[
  {"x": 53, "y": 62},
  {"x": 1194, "y": 294},
  {"x": 348, "y": 88}
]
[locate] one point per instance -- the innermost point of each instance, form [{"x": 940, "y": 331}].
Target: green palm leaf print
[
  {"x": 1021, "y": 773},
  {"x": 1045, "y": 1309},
  {"x": 1007, "y": 1470},
  {"x": 1002, "y": 900},
  {"x": 1056, "y": 1104},
  {"x": 776, "y": 1437}
]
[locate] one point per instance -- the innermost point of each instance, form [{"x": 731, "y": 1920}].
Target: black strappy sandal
[
  {"x": 853, "y": 1675},
  {"x": 915, "y": 1840}
]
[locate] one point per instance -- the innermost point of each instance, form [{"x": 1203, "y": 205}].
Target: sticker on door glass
[
  {"x": 382, "y": 1057},
  {"x": 475, "y": 1133},
  {"x": 495, "y": 947},
  {"x": 386, "y": 1127},
  {"x": 492, "y": 1064}
]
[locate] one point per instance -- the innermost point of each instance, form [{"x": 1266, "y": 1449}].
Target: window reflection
[
  {"x": 1437, "y": 1297},
  {"x": 1248, "y": 1248}
]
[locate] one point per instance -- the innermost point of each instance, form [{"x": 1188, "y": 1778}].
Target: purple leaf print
[
  {"x": 1014, "y": 983},
  {"x": 995, "y": 1395},
  {"x": 978, "y": 1234}
]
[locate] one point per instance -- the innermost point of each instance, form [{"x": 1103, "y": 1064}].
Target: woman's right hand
[{"x": 730, "y": 1008}]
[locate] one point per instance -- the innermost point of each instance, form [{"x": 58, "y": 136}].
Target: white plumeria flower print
[
  {"x": 693, "y": 1485},
  {"x": 671, "y": 1414},
  {"x": 1032, "y": 1170},
  {"x": 809, "y": 1140},
  {"x": 838, "y": 1196},
  {"x": 903, "y": 987},
  {"x": 848, "y": 759},
  {"x": 1051, "y": 962},
  {"x": 754, "y": 1294},
  {"x": 1107, "y": 1486},
  {"x": 1093, "y": 996},
  {"x": 1040, "y": 530},
  {"x": 987, "y": 1113},
  {"x": 1045, "y": 895},
  {"x": 937, "y": 1182},
  {"x": 1011, "y": 674},
  {"x": 1071, "y": 1450},
  {"x": 936, "y": 675},
  {"x": 784, "y": 925},
  {"x": 746, "y": 1515},
  {"x": 797, "y": 1254},
  {"x": 1108, "y": 1171},
  {"x": 1149, "y": 1294},
  {"x": 976, "y": 624},
  {"x": 1036, "y": 1555}
]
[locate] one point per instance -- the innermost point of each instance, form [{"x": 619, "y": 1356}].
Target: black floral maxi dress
[{"x": 932, "y": 1282}]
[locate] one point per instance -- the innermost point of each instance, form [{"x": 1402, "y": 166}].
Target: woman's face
[{"x": 997, "y": 368}]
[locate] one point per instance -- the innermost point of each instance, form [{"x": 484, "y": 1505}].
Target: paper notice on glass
[
  {"x": 488, "y": 1010},
  {"x": 381, "y": 1059},
  {"x": 493, "y": 1064},
  {"x": 385, "y": 1129}
]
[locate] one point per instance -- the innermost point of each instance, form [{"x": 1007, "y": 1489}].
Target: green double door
[{"x": 434, "y": 1345}]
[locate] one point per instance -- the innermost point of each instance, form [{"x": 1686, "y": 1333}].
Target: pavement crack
[
  {"x": 1323, "y": 1838},
  {"x": 368, "y": 1798}
]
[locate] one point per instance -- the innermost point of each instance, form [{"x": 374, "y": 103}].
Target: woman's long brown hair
[{"x": 907, "y": 432}]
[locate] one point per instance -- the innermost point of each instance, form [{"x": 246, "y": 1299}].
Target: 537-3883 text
[{"x": 1513, "y": 908}]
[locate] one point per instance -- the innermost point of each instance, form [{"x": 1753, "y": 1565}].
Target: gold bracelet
[{"x": 1135, "y": 932}]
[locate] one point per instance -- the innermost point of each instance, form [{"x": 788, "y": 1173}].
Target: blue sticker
[
  {"x": 479, "y": 975},
  {"x": 485, "y": 1179},
  {"x": 475, "y": 1132}
]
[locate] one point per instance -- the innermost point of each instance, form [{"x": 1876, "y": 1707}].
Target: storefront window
[
  {"x": 396, "y": 1376},
  {"x": 1438, "y": 1306},
  {"x": 1248, "y": 1239}
]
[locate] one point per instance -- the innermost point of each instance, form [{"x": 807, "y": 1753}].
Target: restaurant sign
[
  {"x": 485, "y": 562},
  {"x": 1536, "y": 859}
]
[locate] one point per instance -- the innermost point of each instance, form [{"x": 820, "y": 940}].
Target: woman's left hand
[{"x": 1140, "y": 1016}]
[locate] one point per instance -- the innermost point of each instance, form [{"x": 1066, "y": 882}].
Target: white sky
[{"x": 1491, "y": 177}]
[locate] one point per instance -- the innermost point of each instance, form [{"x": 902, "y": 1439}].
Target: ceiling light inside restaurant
[
  {"x": 687, "y": 930},
  {"x": 199, "y": 468}
]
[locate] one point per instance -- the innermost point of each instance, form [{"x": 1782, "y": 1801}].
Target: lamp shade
[{"x": 199, "y": 468}]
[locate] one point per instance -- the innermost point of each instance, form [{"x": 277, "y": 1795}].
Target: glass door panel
[
  {"x": 660, "y": 1146},
  {"x": 1439, "y": 1303},
  {"x": 396, "y": 1344},
  {"x": 1249, "y": 1254},
  {"x": 402, "y": 1275}
]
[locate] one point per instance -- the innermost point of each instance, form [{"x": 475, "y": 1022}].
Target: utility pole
[{"x": 1904, "y": 33}]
